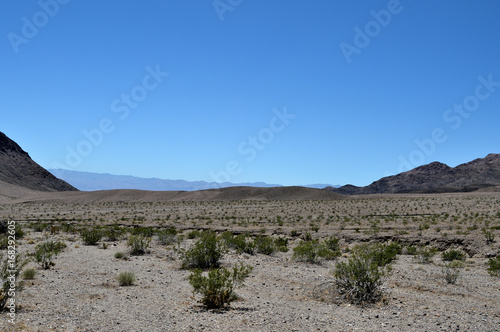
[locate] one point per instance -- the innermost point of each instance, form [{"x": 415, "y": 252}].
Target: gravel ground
[{"x": 81, "y": 293}]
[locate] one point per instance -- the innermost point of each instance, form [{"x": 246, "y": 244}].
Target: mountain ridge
[
  {"x": 88, "y": 181},
  {"x": 435, "y": 177},
  {"x": 18, "y": 169}
]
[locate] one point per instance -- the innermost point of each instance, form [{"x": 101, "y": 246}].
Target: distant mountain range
[
  {"x": 86, "y": 181},
  {"x": 482, "y": 173},
  {"x": 21, "y": 177}
]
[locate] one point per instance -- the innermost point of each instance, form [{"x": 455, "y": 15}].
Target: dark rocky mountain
[
  {"x": 18, "y": 170},
  {"x": 435, "y": 178}
]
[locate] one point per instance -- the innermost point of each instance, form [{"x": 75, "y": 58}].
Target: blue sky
[{"x": 288, "y": 92}]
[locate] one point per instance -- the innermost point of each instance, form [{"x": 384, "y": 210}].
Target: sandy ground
[{"x": 81, "y": 293}]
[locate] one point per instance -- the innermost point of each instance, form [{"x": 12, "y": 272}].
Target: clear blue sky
[{"x": 288, "y": 92}]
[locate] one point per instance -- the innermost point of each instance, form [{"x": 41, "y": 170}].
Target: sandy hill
[
  {"x": 223, "y": 194},
  {"x": 20, "y": 174},
  {"x": 436, "y": 178}
]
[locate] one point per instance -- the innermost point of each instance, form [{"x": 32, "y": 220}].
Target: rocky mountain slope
[
  {"x": 435, "y": 178},
  {"x": 17, "y": 169}
]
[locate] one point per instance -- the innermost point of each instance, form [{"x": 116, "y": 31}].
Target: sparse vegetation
[
  {"x": 138, "y": 244},
  {"x": 46, "y": 252},
  {"x": 217, "y": 288},
  {"x": 494, "y": 266},
  {"x": 119, "y": 255},
  {"x": 91, "y": 236},
  {"x": 452, "y": 255},
  {"x": 205, "y": 253},
  {"x": 314, "y": 252},
  {"x": 359, "y": 280},
  {"x": 126, "y": 278},
  {"x": 29, "y": 274}
]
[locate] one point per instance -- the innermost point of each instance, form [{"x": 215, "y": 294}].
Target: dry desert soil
[{"x": 81, "y": 292}]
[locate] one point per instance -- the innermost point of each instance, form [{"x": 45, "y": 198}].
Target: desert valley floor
[{"x": 81, "y": 292}]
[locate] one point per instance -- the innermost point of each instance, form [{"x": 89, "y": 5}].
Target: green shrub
[
  {"x": 411, "y": 250},
  {"x": 194, "y": 234},
  {"x": 114, "y": 234},
  {"x": 313, "y": 252},
  {"x": 333, "y": 244},
  {"x": 45, "y": 253},
  {"x": 206, "y": 252},
  {"x": 265, "y": 245},
  {"x": 167, "y": 236},
  {"x": 453, "y": 255},
  {"x": 126, "y": 278},
  {"x": 4, "y": 242},
  {"x": 241, "y": 243},
  {"x": 144, "y": 231},
  {"x": 359, "y": 280},
  {"x": 380, "y": 254},
  {"x": 494, "y": 266},
  {"x": 489, "y": 236},
  {"x": 424, "y": 255},
  {"x": 90, "y": 237},
  {"x": 7, "y": 271},
  {"x": 119, "y": 255},
  {"x": 217, "y": 288},
  {"x": 39, "y": 226},
  {"x": 138, "y": 244},
  {"x": 29, "y": 274},
  {"x": 281, "y": 244}
]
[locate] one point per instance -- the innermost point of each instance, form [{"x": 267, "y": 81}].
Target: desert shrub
[
  {"x": 167, "y": 236},
  {"x": 453, "y": 255},
  {"x": 91, "y": 236},
  {"x": 313, "y": 252},
  {"x": 359, "y": 280},
  {"x": 67, "y": 227},
  {"x": 450, "y": 273},
  {"x": 494, "y": 266},
  {"x": 265, "y": 245},
  {"x": 380, "y": 254},
  {"x": 114, "y": 233},
  {"x": 29, "y": 274},
  {"x": 126, "y": 278},
  {"x": 206, "y": 252},
  {"x": 217, "y": 288},
  {"x": 333, "y": 244},
  {"x": 241, "y": 243},
  {"x": 4, "y": 242},
  {"x": 411, "y": 250},
  {"x": 281, "y": 244},
  {"x": 138, "y": 244},
  {"x": 119, "y": 254},
  {"x": 10, "y": 267},
  {"x": 46, "y": 252},
  {"x": 424, "y": 255},
  {"x": 39, "y": 226},
  {"x": 144, "y": 231},
  {"x": 489, "y": 236},
  {"x": 194, "y": 234},
  {"x": 295, "y": 233}
]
